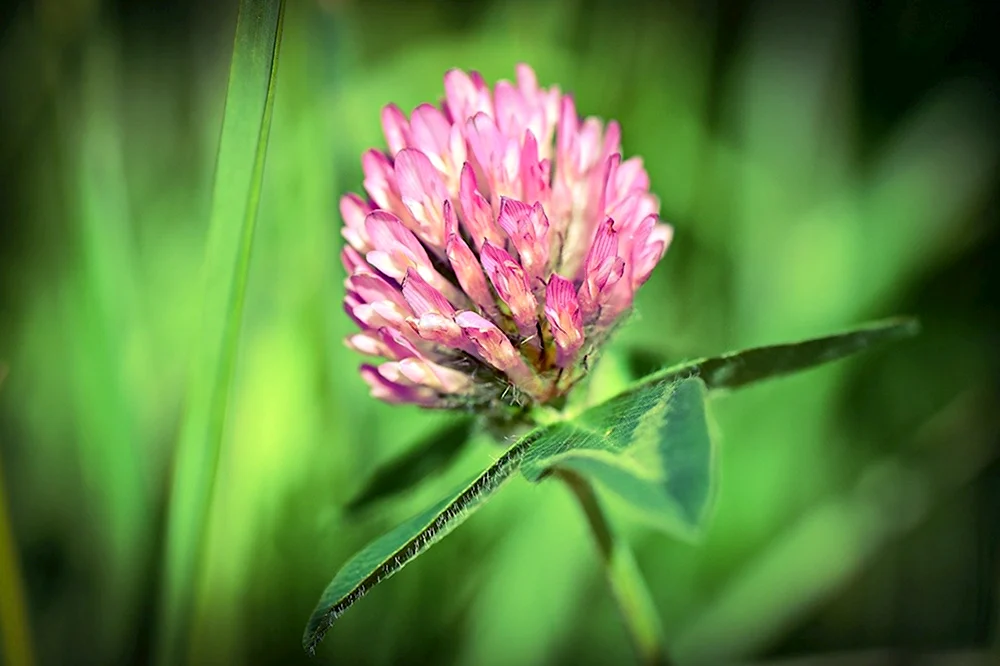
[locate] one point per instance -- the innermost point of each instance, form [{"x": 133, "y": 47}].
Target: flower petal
[
  {"x": 511, "y": 284},
  {"x": 394, "y": 392},
  {"x": 562, "y": 310},
  {"x": 466, "y": 95},
  {"x": 423, "y": 298},
  {"x": 476, "y": 211},
  {"x": 353, "y": 210},
  {"x": 395, "y": 128},
  {"x": 423, "y": 192},
  {"x": 496, "y": 349},
  {"x": 602, "y": 269},
  {"x": 441, "y": 379}
]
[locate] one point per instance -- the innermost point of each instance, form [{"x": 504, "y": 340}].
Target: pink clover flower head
[{"x": 501, "y": 239}]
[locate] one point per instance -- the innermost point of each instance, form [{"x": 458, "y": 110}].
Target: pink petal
[
  {"x": 423, "y": 192},
  {"x": 562, "y": 309},
  {"x": 397, "y": 344},
  {"x": 512, "y": 286},
  {"x": 381, "y": 314},
  {"x": 441, "y": 379},
  {"x": 511, "y": 111},
  {"x": 353, "y": 262},
  {"x": 534, "y": 181},
  {"x": 512, "y": 212},
  {"x": 393, "y": 392},
  {"x": 466, "y": 95},
  {"x": 604, "y": 246},
  {"x": 353, "y": 210},
  {"x": 431, "y": 130},
  {"x": 366, "y": 343},
  {"x": 612, "y": 139},
  {"x": 646, "y": 256},
  {"x": 396, "y": 248},
  {"x": 423, "y": 298},
  {"x": 439, "y": 329},
  {"x": 588, "y": 146},
  {"x": 602, "y": 269},
  {"x": 380, "y": 180},
  {"x": 371, "y": 288},
  {"x": 470, "y": 274},
  {"x": 496, "y": 349},
  {"x": 395, "y": 127},
  {"x": 526, "y": 79},
  {"x": 527, "y": 227},
  {"x": 566, "y": 131},
  {"x": 476, "y": 211},
  {"x": 486, "y": 144},
  {"x": 350, "y": 303}
]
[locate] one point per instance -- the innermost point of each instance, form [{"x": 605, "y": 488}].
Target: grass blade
[
  {"x": 15, "y": 637},
  {"x": 236, "y": 194}
]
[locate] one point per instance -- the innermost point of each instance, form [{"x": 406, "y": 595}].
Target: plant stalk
[
  {"x": 15, "y": 636},
  {"x": 635, "y": 604}
]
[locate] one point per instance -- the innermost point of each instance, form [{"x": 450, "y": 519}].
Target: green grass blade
[
  {"x": 238, "y": 178},
  {"x": 740, "y": 368},
  {"x": 397, "y": 548},
  {"x": 15, "y": 637}
]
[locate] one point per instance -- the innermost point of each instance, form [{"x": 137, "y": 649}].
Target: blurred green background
[{"x": 823, "y": 164}]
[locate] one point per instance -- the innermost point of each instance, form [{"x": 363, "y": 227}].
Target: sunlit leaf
[
  {"x": 236, "y": 194},
  {"x": 649, "y": 447},
  {"x": 394, "y": 550},
  {"x": 429, "y": 455}
]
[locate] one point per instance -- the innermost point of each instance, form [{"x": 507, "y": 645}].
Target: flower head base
[{"x": 501, "y": 240}]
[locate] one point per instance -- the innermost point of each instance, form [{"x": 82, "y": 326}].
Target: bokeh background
[{"x": 823, "y": 164}]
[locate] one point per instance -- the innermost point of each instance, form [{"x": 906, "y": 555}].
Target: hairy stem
[{"x": 627, "y": 585}]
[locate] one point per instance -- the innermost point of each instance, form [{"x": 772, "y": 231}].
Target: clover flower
[{"x": 501, "y": 240}]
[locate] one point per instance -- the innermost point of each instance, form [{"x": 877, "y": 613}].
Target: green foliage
[
  {"x": 650, "y": 447},
  {"x": 422, "y": 460},
  {"x": 236, "y": 196},
  {"x": 740, "y": 368},
  {"x": 394, "y": 550}
]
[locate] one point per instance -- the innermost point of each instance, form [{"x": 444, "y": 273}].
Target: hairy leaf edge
[
  {"x": 883, "y": 331},
  {"x": 444, "y": 522}
]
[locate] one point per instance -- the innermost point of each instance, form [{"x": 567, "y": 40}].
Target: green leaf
[
  {"x": 649, "y": 447},
  {"x": 740, "y": 368},
  {"x": 394, "y": 550},
  {"x": 428, "y": 456},
  {"x": 239, "y": 172}
]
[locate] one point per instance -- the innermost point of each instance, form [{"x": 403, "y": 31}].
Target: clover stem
[{"x": 627, "y": 585}]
